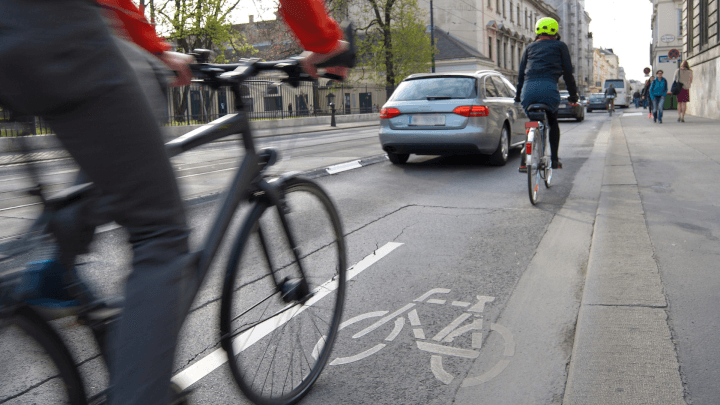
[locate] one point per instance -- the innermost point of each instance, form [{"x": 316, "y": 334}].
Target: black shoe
[{"x": 556, "y": 164}]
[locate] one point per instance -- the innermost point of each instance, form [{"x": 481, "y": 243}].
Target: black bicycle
[
  {"x": 283, "y": 288},
  {"x": 537, "y": 149}
]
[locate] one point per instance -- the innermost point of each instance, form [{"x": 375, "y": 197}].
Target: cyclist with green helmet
[{"x": 542, "y": 64}]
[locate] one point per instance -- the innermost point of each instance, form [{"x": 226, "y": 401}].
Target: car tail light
[
  {"x": 389, "y": 113},
  {"x": 472, "y": 111}
]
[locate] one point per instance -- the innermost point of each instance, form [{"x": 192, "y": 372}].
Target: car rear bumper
[
  {"x": 472, "y": 140},
  {"x": 597, "y": 107},
  {"x": 569, "y": 112}
]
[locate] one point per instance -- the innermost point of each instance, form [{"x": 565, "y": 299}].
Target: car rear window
[
  {"x": 598, "y": 97},
  {"x": 618, "y": 84},
  {"x": 436, "y": 88}
]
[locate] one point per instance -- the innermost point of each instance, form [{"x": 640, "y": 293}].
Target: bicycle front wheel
[
  {"x": 35, "y": 365},
  {"x": 533, "y": 169},
  {"x": 278, "y": 332}
]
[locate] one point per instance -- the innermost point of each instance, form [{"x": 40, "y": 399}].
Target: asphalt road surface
[{"x": 453, "y": 237}]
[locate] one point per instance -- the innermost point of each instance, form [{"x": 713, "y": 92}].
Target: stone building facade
[
  {"x": 666, "y": 36},
  {"x": 574, "y": 29},
  {"x": 701, "y": 47}
]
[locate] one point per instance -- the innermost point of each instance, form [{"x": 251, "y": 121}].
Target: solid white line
[
  {"x": 436, "y": 301},
  {"x": 418, "y": 332},
  {"x": 343, "y": 167},
  {"x": 205, "y": 366}
]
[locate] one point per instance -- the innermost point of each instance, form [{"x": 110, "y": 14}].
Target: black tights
[{"x": 554, "y": 135}]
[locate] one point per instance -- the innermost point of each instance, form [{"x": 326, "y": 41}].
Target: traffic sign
[{"x": 673, "y": 54}]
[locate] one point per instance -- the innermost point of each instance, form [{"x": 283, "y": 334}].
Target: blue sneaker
[{"x": 44, "y": 288}]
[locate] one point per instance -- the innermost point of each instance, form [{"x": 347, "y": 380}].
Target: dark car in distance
[
  {"x": 568, "y": 110},
  {"x": 597, "y": 102}
]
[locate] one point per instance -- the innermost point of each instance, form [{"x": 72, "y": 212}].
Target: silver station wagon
[{"x": 452, "y": 113}]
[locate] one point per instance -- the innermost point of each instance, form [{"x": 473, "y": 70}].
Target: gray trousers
[{"x": 59, "y": 61}]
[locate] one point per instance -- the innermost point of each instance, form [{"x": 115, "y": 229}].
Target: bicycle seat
[{"x": 537, "y": 112}]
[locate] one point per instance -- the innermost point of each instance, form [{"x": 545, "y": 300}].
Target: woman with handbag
[{"x": 683, "y": 76}]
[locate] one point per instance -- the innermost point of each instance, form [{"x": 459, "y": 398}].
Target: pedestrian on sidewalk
[
  {"x": 636, "y": 98},
  {"x": 646, "y": 93},
  {"x": 683, "y": 75},
  {"x": 658, "y": 91}
]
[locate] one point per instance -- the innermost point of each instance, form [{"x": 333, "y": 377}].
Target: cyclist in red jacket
[{"x": 59, "y": 60}]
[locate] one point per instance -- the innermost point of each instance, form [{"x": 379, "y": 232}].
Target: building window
[
  {"x": 690, "y": 27},
  {"x": 497, "y": 49},
  {"x": 704, "y": 20},
  {"x": 518, "y": 15},
  {"x": 490, "y": 49},
  {"x": 497, "y": 6},
  {"x": 680, "y": 22},
  {"x": 504, "y": 13},
  {"x": 526, "y": 23},
  {"x": 512, "y": 57},
  {"x": 511, "y": 12},
  {"x": 505, "y": 55}
]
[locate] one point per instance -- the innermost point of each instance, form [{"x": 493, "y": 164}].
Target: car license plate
[{"x": 427, "y": 120}]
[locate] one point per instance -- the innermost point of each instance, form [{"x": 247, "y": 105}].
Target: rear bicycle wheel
[
  {"x": 279, "y": 339},
  {"x": 35, "y": 365},
  {"x": 533, "y": 169}
]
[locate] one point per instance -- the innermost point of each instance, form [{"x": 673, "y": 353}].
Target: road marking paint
[
  {"x": 632, "y": 114},
  {"x": 507, "y": 336},
  {"x": 475, "y": 325},
  {"x": 414, "y": 318},
  {"x": 359, "y": 356},
  {"x": 477, "y": 340},
  {"x": 382, "y": 321},
  {"x": 206, "y": 365},
  {"x": 436, "y": 301},
  {"x": 431, "y": 292},
  {"x": 480, "y": 306},
  {"x": 399, "y": 323},
  {"x": 461, "y": 304},
  {"x": 418, "y": 332},
  {"x": 343, "y": 167},
  {"x": 494, "y": 372},
  {"x": 454, "y": 324},
  {"x": 361, "y": 317},
  {"x": 438, "y": 370},
  {"x": 447, "y": 350}
]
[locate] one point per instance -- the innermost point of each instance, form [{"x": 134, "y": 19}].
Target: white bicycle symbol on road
[{"x": 434, "y": 345}]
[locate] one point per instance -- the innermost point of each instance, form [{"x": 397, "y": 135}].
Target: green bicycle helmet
[{"x": 547, "y": 26}]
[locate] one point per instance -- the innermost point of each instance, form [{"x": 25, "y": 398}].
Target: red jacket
[
  {"x": 314, "y": 28},
  {"x": 128, "y": 18}
]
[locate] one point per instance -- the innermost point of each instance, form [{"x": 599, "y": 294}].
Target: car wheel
[
  {"x": 500, "y": 156},
  {"x": 398, "y": 158}
]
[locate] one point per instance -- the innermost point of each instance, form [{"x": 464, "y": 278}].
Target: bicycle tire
[
  {"x": 548, "y": 171},
  {"x": 248, "y": 341},
  {"x": 533, "y": 170},
  {"x": 36, "y": 329}
]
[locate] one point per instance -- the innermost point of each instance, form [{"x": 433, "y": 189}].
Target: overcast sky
[{"x": 623, "y": 25}]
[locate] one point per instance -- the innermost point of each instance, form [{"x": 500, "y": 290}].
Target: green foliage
[
  {"x": 204, "y": 24},
  {"x": 395, "y": 42}
]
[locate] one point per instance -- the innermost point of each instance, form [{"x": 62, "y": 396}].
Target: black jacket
[
  {"x": 547, "y": 59},
  {"x": 610, "y": 91}
]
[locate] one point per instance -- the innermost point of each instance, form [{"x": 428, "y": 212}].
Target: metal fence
[{"x": 264, "y": 98}]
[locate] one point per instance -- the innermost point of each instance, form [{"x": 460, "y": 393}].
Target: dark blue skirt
[{"x": 540, "y": 91}]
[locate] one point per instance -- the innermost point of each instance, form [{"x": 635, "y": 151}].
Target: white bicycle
[{"x": 440, "y": 344}]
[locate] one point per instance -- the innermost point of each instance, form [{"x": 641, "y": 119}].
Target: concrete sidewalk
[{"x": 624, "y": 350}]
